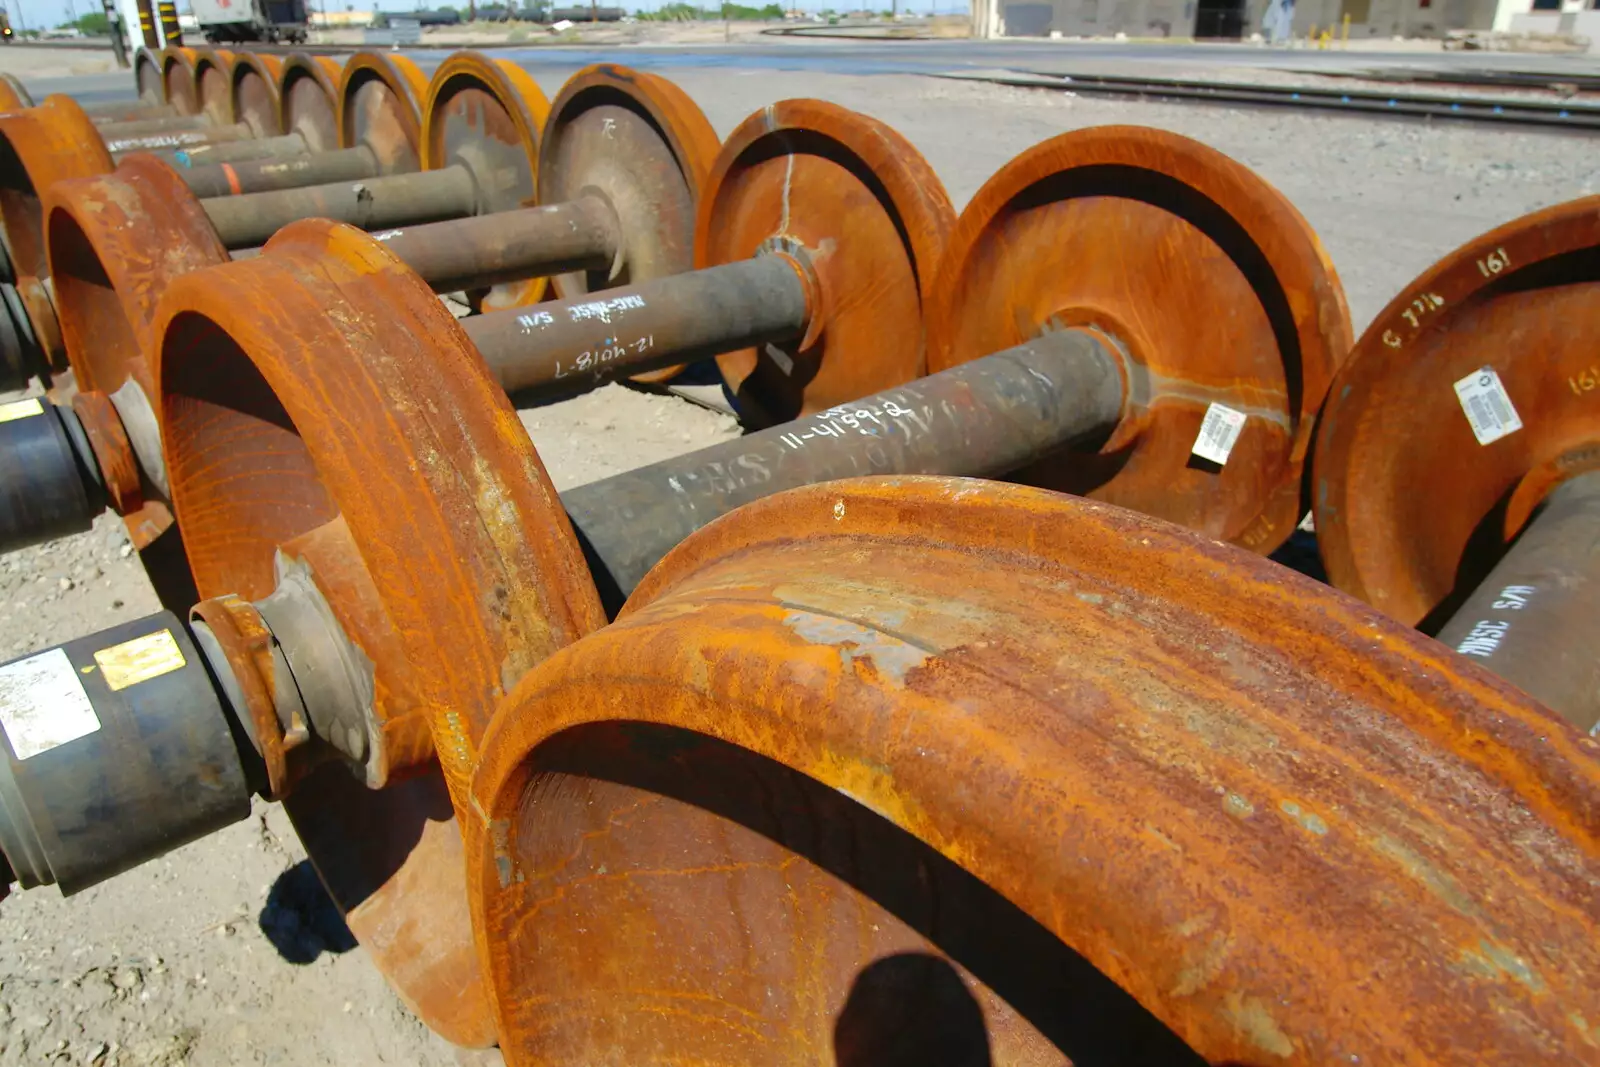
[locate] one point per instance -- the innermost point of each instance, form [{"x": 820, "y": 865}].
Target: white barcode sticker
[
  {"x": 20, "y": 409},
  {"x": 43, "y": 704},
  {"x": 1487, "y": 406},
  {"x": 1219, "y": 432}
]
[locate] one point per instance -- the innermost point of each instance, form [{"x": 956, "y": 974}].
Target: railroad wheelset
[
  {"x": 354, "y": 293},
  {"x": 245, "y": 98},
  {"x": 306, "y": 546},
  {"x": 371, "y": 107},
  {"x": 61, "y": 138},
  {"x": 844, "y": 740},
  {"x": 1038, "y": 746},
  {"x": 384, "y": 129},
  {"x": 120, "y": 241},
  {"x": 57, "y": 140},
  {"x": 1455, "y": 485},
  {"x": 213, "y": 85},
  {"x": 823, "y": 144}
]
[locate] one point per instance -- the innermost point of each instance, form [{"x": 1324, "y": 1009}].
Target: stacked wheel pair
[
  {"x": 272, "y": 95},
  {"x": 844, "y": 742},
  {"x": 1455, "y": 486},
  {"x": 799, "y": 181},
  {"x": 60, "y": 140}
]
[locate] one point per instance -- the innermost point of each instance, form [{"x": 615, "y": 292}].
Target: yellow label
[
  {"x": 20, "y": 409},
  {"x": 139, "y": 660}
]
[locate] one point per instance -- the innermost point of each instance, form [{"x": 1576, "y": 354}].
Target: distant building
[
  {"x": 1241, "y": 18},
  {"x": 333, "y": 20}
]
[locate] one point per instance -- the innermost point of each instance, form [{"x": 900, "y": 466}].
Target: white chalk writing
[
  {"x": 604, "y": 309},
  {"x": 864, "y": 419},
  {"x": 596, "y": 360}
]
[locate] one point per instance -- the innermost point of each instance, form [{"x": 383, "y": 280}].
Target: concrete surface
[{"x": 225, "y": 952}]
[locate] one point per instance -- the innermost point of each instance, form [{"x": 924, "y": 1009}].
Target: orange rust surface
[
  {"x": 933, "y": 716},
  {"x": 321, "y": 390},
  {"x": 52, "y": 142},
  {"x": 392, "y": 861},
  {"x": 430, "y": 957},
  {"x": 873, "y": 217},
  {"x": 253, "y": 92},
  {"x": 147, "y": 524},
  {"x": 116, "y": 242},
  {"x": 41, "y": 311},
  {"x": 1207, "y": 278},
  {"x": 213, "y": 84},
  {"x": 113, "y": 453},
  {"x": 308, "y": 100},
  {"x": 287, "y": 382},
  {"x": 177, "y": 74},
  {"x": 1410, "y": 507},
  {"x": 502, "y": 102},
  {"x": 391, "y": 89},
  {"x": 656, "y": 190}
]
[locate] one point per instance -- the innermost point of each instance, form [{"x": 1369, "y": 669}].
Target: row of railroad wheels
[{"x": 812, "y": 743}]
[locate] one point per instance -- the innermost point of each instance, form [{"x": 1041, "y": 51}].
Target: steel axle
[{"x": 1532, "y": 620}]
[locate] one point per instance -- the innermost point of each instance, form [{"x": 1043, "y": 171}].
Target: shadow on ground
[{"x": 300, "y": 919}]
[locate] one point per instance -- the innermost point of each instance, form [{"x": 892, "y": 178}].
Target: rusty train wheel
[
  {"x": 495, "y": 111},
  {"x": 891, "y": 718},
  {"x": 1413, "y": 507},
  {"x": 259, "y": 458},
  {"x": 177, "y": 76},
  {"x": 107, "y": 274},
  {"x": 116, "y": 242},
  {"x": 1205, "y": 276},
  {"x": 351, "y": 293},
  {"x": 380, "y": 105},
  {"x": 213, "y": 85},
  {"x": 872, "y": 217},
  {"x": 147, "y": 76},
  {"x": 647, "y": 148},
  {"x": 254, "y": 80},
  {"x": 13, "y": 94},
  {"x": 308, "y": 100},
  {"x": 50, "y": 143}
]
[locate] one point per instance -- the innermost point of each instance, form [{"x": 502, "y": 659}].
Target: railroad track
[
  {"x": 1497, "y": 110},
  {"x": 1563, "y": 83}
]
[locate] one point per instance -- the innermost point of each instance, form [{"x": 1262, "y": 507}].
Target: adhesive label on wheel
[
  {"x": 139, "y": 660},
  {"x": 1487, "y": 406},
  {"x": 1219, "y": 432},
  {"x": 43, "y": 705},
  {"x": 21, "y": 409}
]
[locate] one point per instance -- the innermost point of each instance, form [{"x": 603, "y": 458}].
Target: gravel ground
[{"x": 226, "y": 952}]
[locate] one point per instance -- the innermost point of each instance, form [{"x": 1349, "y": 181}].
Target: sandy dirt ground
[{"x": 226, "y": 952}]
